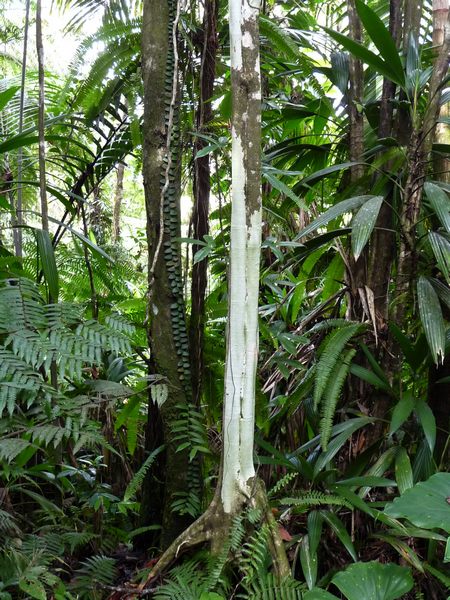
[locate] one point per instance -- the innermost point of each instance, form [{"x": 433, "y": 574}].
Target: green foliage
[
  {"x": 374, "y": 581},
  {"x": 433, "y": 494},
  {"x": 94, "y": 573}
]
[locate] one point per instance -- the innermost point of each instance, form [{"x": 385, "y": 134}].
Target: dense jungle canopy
[{"x": 224, "y": 299}]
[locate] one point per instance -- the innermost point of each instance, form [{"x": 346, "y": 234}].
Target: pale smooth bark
[{"x": 242, "y": 341}]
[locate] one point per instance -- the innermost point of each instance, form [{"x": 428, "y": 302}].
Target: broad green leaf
[
  {"x": 318, "y": 594},
  {"x": 428, "y": 422},
  {"x": 412, "y": 358},
  {"x": 432, "y": 319},
  {"x": 381, "y": 38},
  {"x": 374, "y": 364},
  {"x": 374, "y": 581},
  {"x": 315, "y": 522},
  {"x": 447, "y": 551},
  {"x": 7, "y": 95},
  {"x": 404, "y": 551},
  {"x": 403, "y": 471},
  {"x": 206, "y": 150},
  {"x": 426, "y": 504},
  {"x": 202, "y": 254},
  {"x": 442, "y": 290},
  {"x": 308, "y": 561},
  {"x": 85, "y": 240},
  {"x": 284, "y": 189},
  {"x": 381, "y": 465},
  {"x": 366, "y": 480},
  {"x": 48, "y": 262},
  {"x": 440, "y": 203},
  {"x": 32, "y": 587},
  {"x": 318, "y": 175},
  {"x": 339, "y": 71},
  {"x": 343, "y": 431},
  {"x": 363, "y": 223},
  {"x": 354, "y": 499},
  {"x": 441, "y": 250},
  {"x": 412, "y": 62},
  {"x": 335, "y": 211},
  {"x": 339, "y": 529},
  {"x": 401, "y": 412},
  {"x": 369, "y": 377},
  {"x": 367, "y": 56}
]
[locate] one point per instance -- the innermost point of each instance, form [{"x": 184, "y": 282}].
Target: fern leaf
[
  {"x": 331, "y": 396},
  {"x": 332, "y": 349},
  {"x": 315, "y": 499},
  {"x": 136, "y": 483}
]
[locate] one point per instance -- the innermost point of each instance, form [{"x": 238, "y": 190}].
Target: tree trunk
[
  {"x": 41, "y": 115},
  {"x": 202, "y": 186},
  {"x": 118, "y": 198},
  {"x": 419, "y": 151},
  {"x": 238, "y": 485},
  {"x": 166, "y": 323},
  {"x": 19, "y": 204}
]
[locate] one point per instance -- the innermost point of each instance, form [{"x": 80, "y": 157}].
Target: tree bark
[
  {"x": 238, "y": 485},
  {"x": 118, "y": 198},
  {"x": 419, "y": 152},
  {"x": 41, "y": 117},
  {"x": 19, "y": 203},
  {"x": 167, "y": 333},
  {"x": 202, "y": 187}
]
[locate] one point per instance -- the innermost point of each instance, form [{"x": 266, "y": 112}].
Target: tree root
[{"x": 214, "y": 527}]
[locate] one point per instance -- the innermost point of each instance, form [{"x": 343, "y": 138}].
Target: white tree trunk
[{"x": 242, "y": 340}]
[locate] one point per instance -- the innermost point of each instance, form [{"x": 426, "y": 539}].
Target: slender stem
[
  {"x": 19, "y": 213},
  {"x": 41, "y": 117}
]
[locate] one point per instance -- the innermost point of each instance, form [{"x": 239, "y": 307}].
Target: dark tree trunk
[
  {"x": 166, "y": 323},
  {"x": 202, "y": 186}
]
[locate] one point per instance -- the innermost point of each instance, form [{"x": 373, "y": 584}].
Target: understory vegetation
[{"x": 116, "y": 322}]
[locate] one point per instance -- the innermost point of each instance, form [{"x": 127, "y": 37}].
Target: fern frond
[
  {"x": 255, "y": 555},
  {"x": 186, "y": 582},
  {"x": 315, "y": 498},
  {"x": 138, "y": 478},
  {"x": 8, "y": 525},
  {"x": 237, "y": 532},
  {"x": 282, "y": 483},
  {"x": 77, "y": 539},
  {"x": 94, "y": 571},
  {"x": 331, "y": 350},
  {"x": 267, "y": 587},
  {"x": 331, "y": 396},
  {"x": 278, "y": 38}
]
